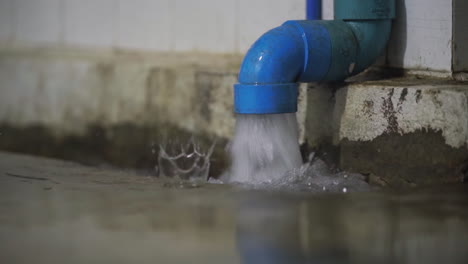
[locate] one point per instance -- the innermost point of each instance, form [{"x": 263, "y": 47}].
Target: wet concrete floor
[{"x": 60, "y": 212}]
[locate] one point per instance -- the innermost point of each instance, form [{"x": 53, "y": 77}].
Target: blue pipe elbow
[
  {"x": 311, "y": 51},
  {"x": 266, "y": 78}
]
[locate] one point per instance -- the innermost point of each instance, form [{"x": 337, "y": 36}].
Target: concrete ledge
[
  {"x": 405, "y": 106},
  {"x": 405, "y": 131}
]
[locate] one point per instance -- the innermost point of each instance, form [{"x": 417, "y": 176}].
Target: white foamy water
[{"x": 264, "y": 148}]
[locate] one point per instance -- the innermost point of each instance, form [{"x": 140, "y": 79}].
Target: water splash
[
  {"x": 315, "y": 175},
  {"x": 264, "y": 148},
  {"x": 265, "y": 154},
  {"x": 184, "y": 161}
]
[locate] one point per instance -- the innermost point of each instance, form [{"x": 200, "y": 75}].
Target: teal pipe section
[
  {"x": 311, "y": 51},
  {"x": 364, "y": 9}
]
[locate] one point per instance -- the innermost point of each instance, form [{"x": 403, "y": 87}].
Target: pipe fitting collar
[{"x": 265, "y": 98}]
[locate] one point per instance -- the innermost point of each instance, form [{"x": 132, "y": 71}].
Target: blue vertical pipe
[{"x": 314, "y": 9}]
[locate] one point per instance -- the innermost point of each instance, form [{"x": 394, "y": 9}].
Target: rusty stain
[
  {"x": 403, "y": 94},
  {"x": 435, "y": 98},
  {"x": 105, "y": 74},
  {"x": 389, "y": 113},
  {"x": 418, "y": 95},
  {"x": 151, "y": 86},
  {"x": 40, "y": 108},
  {"x": 368, "y": 108},
  {"x": 205, "y": 83}
]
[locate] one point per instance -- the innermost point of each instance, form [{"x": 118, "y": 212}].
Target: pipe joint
[{"x": 311, "y": 51}]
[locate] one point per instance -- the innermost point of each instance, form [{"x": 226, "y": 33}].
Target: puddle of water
[
  {"x": 85, "y": 222},
  {"x": 59, "y": 212}
]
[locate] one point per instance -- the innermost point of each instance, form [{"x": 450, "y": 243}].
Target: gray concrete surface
[
  {"x": 53, "y": 211},
  {"x": 406, "y": 130}
]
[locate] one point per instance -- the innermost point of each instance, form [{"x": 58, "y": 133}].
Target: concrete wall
[{"x": 69, "y": 92}]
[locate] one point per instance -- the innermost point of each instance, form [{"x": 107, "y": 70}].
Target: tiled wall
[{"x": 421, "y": 39}]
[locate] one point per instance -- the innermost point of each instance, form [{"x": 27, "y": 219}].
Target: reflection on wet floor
[
  {"x": 367, "y": 228},
  {"x": 88, "y": 215}
]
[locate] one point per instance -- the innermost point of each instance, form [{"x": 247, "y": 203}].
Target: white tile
[
  {"x": 37, "y": 21},
  {"x": 144, "y": 24},
  {"x": 205, "y": 25},
  {"x": 90, "y": 22},
  {"x": 255, "y": 17},
  {"x": 7, "y": 21}
]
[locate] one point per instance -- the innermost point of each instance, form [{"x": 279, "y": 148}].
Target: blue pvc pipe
[
  {"x": 314, "y": 9},
  {"x": 311, "y": 51}
]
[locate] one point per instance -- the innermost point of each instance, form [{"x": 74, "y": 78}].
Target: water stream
[
  {"x": 264, "y": 148},
  {"x": 265, "y": 154}
]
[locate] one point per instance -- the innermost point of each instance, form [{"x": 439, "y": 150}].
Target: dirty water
[{"x": 61, "y": 212}]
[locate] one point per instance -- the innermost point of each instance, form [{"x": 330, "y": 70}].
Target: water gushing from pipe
[
  {"x": 265, "y": 144},
  {"x": 264, "y": 147}
]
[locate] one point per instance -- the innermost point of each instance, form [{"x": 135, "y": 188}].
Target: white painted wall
[
  {"x": 421, "y": 38},
  {"x": 228, "y": 26},
  {"x": 422, "y": 35}
]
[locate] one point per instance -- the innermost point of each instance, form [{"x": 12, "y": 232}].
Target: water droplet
[
  {"x": 345, "y": 176},
  {"x": 309, "y": 184},
  {"x": 323, "y": 188},
  {"x": 345, "y": 190},
  {"x": 153, "y": 150}
]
